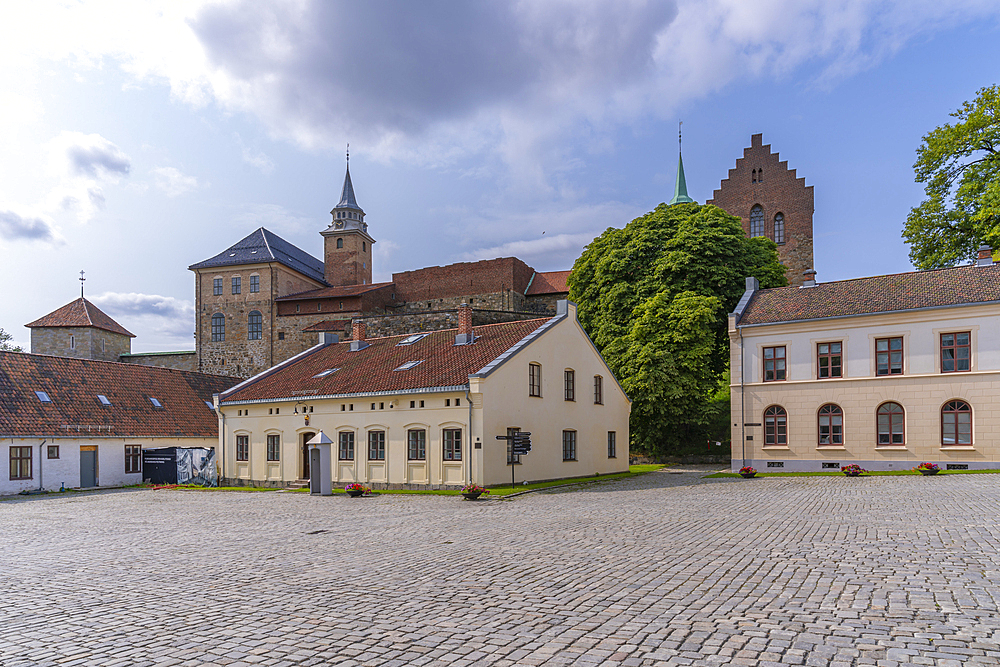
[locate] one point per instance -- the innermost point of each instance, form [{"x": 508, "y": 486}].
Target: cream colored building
[
  {"x": 425, "y": 409},
  {"x": 886, "y": 372}
]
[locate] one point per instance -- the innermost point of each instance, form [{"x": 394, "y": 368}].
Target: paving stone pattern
[{"x": 664, "y": 569}]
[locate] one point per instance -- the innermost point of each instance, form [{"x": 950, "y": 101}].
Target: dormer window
[{"x": 103, "y": 399}]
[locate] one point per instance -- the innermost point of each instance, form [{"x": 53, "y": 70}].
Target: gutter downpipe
[
  {"x": 41, "y": 450},
  {"x": 468, "y": 400},
  {"x": 222, "y": 436},
  {"x": 743, "y": 399}
]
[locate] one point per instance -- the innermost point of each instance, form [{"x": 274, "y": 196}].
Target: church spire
[
  {"x": 347, "y": 200},
  {"x": 680, "y": 187}
]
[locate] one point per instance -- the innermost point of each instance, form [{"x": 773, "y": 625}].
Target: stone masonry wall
[
  {"x": 182, "y": 361},
  {"x": 379, "y": 326},
  {"x": 87, "y": 343},
  {"x": 491, "y": 276}
]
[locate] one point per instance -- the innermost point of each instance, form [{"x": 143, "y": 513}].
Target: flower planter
[
  {"x": 471, "y": 496},
  {"x": 852, "y": 474},
  {"x": 747, "y": 475},
  {"x": 929, "y": 472},
  {"x": 355, "y": 493}
]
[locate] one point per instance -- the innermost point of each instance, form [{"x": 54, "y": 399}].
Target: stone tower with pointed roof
[
  {"x": 347, "y": 246},
  {"x": 82, "y": 330}
]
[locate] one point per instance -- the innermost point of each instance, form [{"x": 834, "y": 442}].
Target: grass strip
[{"x": 873, "y": 473}]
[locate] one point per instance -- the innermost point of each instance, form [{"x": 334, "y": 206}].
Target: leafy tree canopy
[
  {"x": 5, "y": 344},
  {"x": 960, "y": 167},
  {"x": 654, "y": 298}
]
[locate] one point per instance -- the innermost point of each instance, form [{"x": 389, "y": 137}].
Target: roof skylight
[
  {"x": 156, "y": 402},
  {"x": 103, "y": 399},
  {"x": 328, "y": 371},
  {"x": 209, "y": 404},
  {"x": 410, "y": 340},
  {"x": 410, "y": 364},
  {"x": 43, "y": 397}
]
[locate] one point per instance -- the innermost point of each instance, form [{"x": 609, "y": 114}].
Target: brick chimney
[
  {"x": 465, "y": 334},
  {"x": 358, "y": 331},
  {"x": 985, "y": 256},
  {"x": 810, "y": 278}
]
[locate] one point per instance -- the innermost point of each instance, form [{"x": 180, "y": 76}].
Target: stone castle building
[{"x": 264, "y": 300}]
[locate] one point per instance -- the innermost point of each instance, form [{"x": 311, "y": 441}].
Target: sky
[{"x": 137, "y": 138}]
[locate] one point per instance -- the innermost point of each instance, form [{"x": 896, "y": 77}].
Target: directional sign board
[{"x": 521, "y": 443}]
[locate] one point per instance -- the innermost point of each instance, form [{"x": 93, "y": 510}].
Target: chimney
[
  {"x": 985, "y": 256},
  {"x": 810, "y": 278},
  {"x": 358, "y": 334},
  {"x": 465, "y": 334}
]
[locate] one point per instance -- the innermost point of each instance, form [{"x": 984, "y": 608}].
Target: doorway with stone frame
[{"x": 304, "y": 453}]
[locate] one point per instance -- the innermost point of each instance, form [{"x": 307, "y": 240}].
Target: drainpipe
[
  {"x": 468, "y": 401},
  {"x": 222, "y": 439},
  {"x": 41, "y": 449},
  {"x": 743, "y": 400}
]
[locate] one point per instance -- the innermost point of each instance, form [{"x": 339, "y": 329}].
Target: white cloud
[
  {"x": 154, "y": 318},
  {"x": 83, "y": 165},
  {"x": 255, "y": 158},
  {"x": 173, "y": 182},
  {"x": 276, "y": 218},
  {"x": 17, "y": 227}
]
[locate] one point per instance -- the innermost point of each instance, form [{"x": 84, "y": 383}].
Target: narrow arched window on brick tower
[
  {"x": 753, "y": 176},
  {"x": 756, "y": 221},
  {"x": 779, "y": 228},
  {"x": 340, "y": 243},
  {"x": 760, "y": 175}
]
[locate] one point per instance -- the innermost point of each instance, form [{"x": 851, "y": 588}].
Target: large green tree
[
  {"x": 654, "y": 298},
  {"x": 960, "y": 166},
  {"x": 6, "y": 345}
]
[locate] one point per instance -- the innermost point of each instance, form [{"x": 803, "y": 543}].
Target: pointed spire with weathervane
[
  {"x": 347, "y": 251},
  {"x": 680, "y": 187},
  {"x": 347, "y": 210}
]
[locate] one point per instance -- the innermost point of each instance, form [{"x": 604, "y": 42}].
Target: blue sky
[{"x": 141, "y": 138}]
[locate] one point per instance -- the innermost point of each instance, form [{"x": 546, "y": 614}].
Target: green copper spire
[{"x": 680, "y": 188}]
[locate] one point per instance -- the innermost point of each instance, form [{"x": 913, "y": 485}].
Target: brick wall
[
  {"x": 350, "y": 265},
  {"x": 489, "y": 276},
  {"x": 79, "y": 342},
  {"x": 183, "y": 361},
  {"x": 778, "y": 191},
  {"x": 435, "y": 320}
]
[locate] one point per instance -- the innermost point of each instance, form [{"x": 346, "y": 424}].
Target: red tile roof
[
  {"x": 877, "y": 294},
  {"x": 443, "y": 364},
  {"x": 550, "y": 282},
  {"x": 80, "y": 313},
  {"x": 75, "y": 411},
  {"x": 334, "y": 292},
  {"x": 329, "y": 325}
]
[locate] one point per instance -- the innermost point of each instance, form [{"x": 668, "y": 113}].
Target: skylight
[
  {"x": 103, "y": 399},
  {"x": 209, "y": 404},
  {"x": 410, "y": 364},
  {"x": 328, "y": 371},
  {"x": 156, "y": 402},
  {"x": 410, "y": 340},
  {"x": 43, "y": 397}
]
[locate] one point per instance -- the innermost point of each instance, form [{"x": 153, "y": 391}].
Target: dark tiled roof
[
  {"x": 80, "y": 313},
  {"x": 550, "y": 282},
  {"x": 73, "y": 386},
  {"x": 265, "y": 246},
  {"x": 347, "y": 199},
  {"x": 334, "y": 292},
  {"x": 443, "y": 364},
  {"x": 877, "y": 294}
]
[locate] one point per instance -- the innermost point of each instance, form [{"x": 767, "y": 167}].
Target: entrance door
[
  {"x": 88, "y": 466},
  {"x": 306, "y": 437}
]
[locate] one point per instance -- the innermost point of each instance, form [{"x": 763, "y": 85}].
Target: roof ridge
[
  {"x": 263, "y": 235},
  {"x": 884, "y": 275}
]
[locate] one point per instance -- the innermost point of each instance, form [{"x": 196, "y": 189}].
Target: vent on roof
[
  {"x": 156, "y": 402},
  {"x": 103, "y": 399},
  {"x": 410, "y": 340},
  {"x": 43, "y": 397},
  {"x": 410, "y": 364},
  {"x": 232, "y": 254},
  {"x": 328, "y": 371}
]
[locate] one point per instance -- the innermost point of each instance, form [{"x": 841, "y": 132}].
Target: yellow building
[
  {"x": 886, "y": 372},
  {"x": 424, "y": 410}
]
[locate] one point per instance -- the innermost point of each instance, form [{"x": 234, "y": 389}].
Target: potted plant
[
  {"x": 356, "y": 490},
  {"x": 928, "y": 468},
  {"x": 473, "y": 491},
  {"x": 853, "y": 470},
  {"x": 747, "y": 472}
]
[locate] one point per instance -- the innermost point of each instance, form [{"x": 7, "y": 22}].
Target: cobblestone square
[{"x": 662, "y": 569}]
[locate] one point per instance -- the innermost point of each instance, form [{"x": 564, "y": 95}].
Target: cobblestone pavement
[{"x": 662, "y": 569}]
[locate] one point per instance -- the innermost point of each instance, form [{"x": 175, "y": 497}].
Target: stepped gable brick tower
[
  {"x": 347, "y": 247},
  {"x": 82, "y": 330},
  {"x": 771, "y": 201}
]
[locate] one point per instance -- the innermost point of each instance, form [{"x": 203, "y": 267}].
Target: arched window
[
  {"x": 775, "y": 426},
  {"x": 956, "y": 424},
  {"x": 254, "y": 325},
  {"x": 340, "y": 243},
  {"x": 831, "y": 425},
  {"x": 760, "y": 175},
  {"x": 756, "y": 221},
  {"x": 218, "y": 327},
  {"x": 364, "y": 246},
  {"x": 779, "y": 228},
  {"x": 753, "y": 176},
  {"x": 890, "y": 419}
]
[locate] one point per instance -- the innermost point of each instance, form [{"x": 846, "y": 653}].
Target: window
[
  {"x": 103, "y": 400},
  {"x": 416, "y": 444},
  {"x": 376, "y": 445},
  {"x": 156, "y": 402},
  {"x": 328, "y": 371},
  {"x": 236, "y": 284},
  {"x": 955, "y": 352},
  {"x": 20, "y": 462},
  {"x": 569, "y": 385},
  {"x": 779, "y": 228},
  {"x": 217, "y": 286},
  {"x": 753, "y": 176},
  {"x": 569, "y": 445},
  {"x": 72, "y": 342},
  {"x": 830, "y": 360},
  {"x": 534, "y": 380},
  {"x": 453, "y": 444},
  {"x": 254, "y": 325},
  {"x": 598, "y": 390},
  {"x": 889, "y": 356},
  {"x": 831, "y": 425},
  {"x": 346, "y": 449},
  {"x": 340, "y": 243},
  {"x": 243, "y": 448},
  {"x": 512, "y": 458},
  {"x": 281, "y": 335},
  {"x": 133, "y": 458},
  {"x": 956, "y": 424},
  {"x": 611, "y": 445},
  {"x": 53, "y": 451},
  {"x": 408, "y": 365},
  {"x": 410, "y": 340},
  {"x": 364, "y": 247},
  {"x": 218, "y": 327},
  {"x": 273, "y": 448},
  {"x": 775, "y": 426},
  {"x": 756, "y": 221},
  {"x": 43, "y": 397},
  {"x": 447, "y": 402},
  {"x": 774, "y": 364},
  {"x": 760, "y": 175},
  {"x": 255, "y": 284},
  {"x": 890, "y": 424}
]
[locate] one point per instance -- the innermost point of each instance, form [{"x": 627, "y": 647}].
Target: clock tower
[{"x": 347, "y": 247}]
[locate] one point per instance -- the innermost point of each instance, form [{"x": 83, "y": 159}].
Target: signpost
[{"x": 518, "y": 444}]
